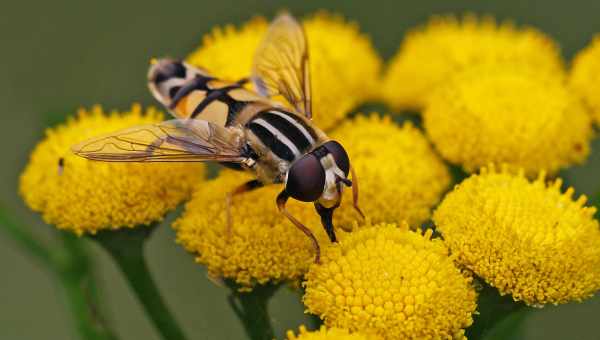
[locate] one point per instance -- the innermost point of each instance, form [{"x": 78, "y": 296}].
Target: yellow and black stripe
[{"x": 284, "y": 133}]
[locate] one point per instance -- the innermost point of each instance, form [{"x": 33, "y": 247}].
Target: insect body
[{"x": 225, "y": 122}]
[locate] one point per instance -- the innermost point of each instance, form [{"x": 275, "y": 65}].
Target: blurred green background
[{"x": 59, "y": 55}]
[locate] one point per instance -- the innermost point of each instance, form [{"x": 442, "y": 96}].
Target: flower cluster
[
  {"x": 447, "y": 45},
  {"x": 85, "y": 197},
  {"x": 258, "y": 249},
  {"x": 491, "y": 95},
  {"x": 393, "y": 282},
  {"x": 527, "y": 239},
  {"x": 344, "y": 65}
]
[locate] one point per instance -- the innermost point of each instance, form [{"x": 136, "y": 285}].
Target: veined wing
[
  {"x": 177, "y": 140},
  {"x": 281, "y": 64}
]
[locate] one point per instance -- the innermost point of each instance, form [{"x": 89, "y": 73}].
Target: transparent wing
[
  {"x": 177, "y": 140},
  {"x": 281, "y": 64}
]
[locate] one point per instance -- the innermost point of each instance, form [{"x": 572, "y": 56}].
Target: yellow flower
[
  {"x": 263, "y": 246},
  {"x": 399, "y": 175},
  {"x": 525, "y": 238},
  {"x": 430, "y": 54},
  {"x": 85, "y": 196},
  {"x": 325, "y": 333},
  {"x": 584, "y": 76},
  {"x": 508, "y": 114},
  {"x": 344, "y": 65},
  {"x": 393, "y": 282}
]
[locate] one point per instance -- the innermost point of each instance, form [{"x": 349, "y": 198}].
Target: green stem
[
  {"x": 511, "y": 327},
  {"x": 493, "y": 308},
  {"x": 78, "y": 281},
  {"x": 126, "y": 247},
  {"x": 72, "y": 268},
  {"x": 252, "y": 309},
  {"x": 21, "y": 235}
]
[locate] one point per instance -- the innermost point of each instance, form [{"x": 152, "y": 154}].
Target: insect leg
[
  {"x": 246, "y": 187},
  {"x": 355, "y": 193},
  {"x": 327, "y": 219},
  {"x": 281, "y": 200}
]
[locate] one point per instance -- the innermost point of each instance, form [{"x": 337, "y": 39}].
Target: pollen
[
  {"x": 508, "y": 114},
  {"x": 391, "y": 281},
  {"x": 526, "y": 238},
  {"x": 343, "y": 62},
  {"x": 400, "y": 178},
  {"x": 84, "y": 196},
  {"x": 263, "y": 246},
  {"x": 584, "y": 76},
  {"x": 446, "y": 45},
  {"x": 325, "y": 333}
]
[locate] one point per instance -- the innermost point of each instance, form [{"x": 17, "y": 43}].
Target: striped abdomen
[
  {"x": 282, "y": 134},
  {"x": 189, "y": 92}
]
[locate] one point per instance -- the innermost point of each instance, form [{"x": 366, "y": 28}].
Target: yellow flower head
[
  {"x": 584, "y": 76},
  {"x": 263, "y": 244},
  {"x": 85, "y": 196},
  {"x": 430, "y": 54},
  {"x": 393, "y": 282},
  {"x": 399, "y": 175},
  {"x": 525, "y": 238},
  {"x": 508, "y": 114},
  {"x": 344, "y": 65},
  {"x": 325, "y": 333}
]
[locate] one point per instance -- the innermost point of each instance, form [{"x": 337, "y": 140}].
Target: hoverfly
[{"x": 227, "y": 123}]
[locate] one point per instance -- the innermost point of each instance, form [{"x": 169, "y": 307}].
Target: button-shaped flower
[
  {"x": 508, "y": 114},
  {"x": 399, "y": 175},
  {"x": 261, "y": 246},
  {"x": 446, "y": 45},
  {"x": 84, "y": 196},
  {"x": 393, "y": 282},
  {"x": 526, "y": 238}
]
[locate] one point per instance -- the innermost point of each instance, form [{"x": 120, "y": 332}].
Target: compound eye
[
  {"x": 339, "y": 154},
  {"x": 306, "y": 179}
]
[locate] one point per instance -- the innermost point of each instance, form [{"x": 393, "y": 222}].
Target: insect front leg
[
  {"x": 246, "y": 187},
  {"x": 327, "y": 219},
  {"x": 355, "y": 193},
  {"x": 281, "y": 200}
]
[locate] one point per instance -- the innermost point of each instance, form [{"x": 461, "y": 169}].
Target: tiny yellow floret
[
  {"x": 585, "y": 76},
  {"x": 393, "y": 282},
  {"x": 85, "y": 196},
  {"x": 325, "y": 333},
  {"x": 508, "y": 114},
  {"x": 344, "y": 64},
  {"x": 445, "y": 45},
  {"x": 526, "y": 238},
  {"x": 400, "y": 177}
]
